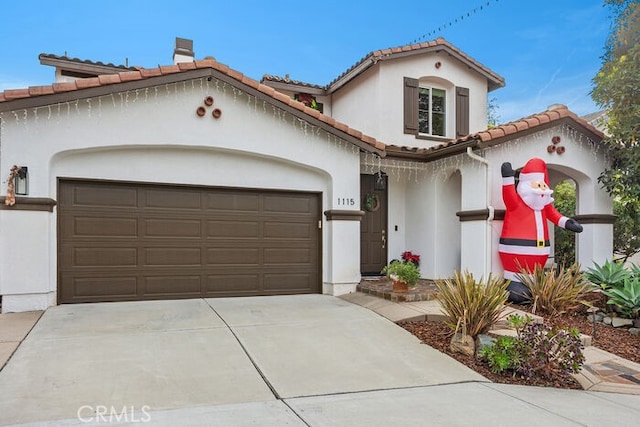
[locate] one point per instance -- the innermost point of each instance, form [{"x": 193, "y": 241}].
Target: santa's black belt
[{"x": 524, "y": 242}]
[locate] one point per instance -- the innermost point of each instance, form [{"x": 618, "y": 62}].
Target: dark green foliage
[
  {"x": 626, "y": 228},
  {"x": 607, "y": 275},
  {"x": 405, "y": 271},
  {"x": 617, "y": 90},
  {"x": 626, "y": 296},
  {"x": 537, "y": 350},
  {"x": 505, "y": 354},
  {"x": 564, "y": 196}
]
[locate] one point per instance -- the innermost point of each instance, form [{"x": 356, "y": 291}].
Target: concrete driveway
[
  {"x": 158, "y": 355},
  {"x": 293, "y": 360}
]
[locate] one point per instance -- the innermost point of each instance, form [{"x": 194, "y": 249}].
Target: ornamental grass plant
[
  {"x": 469, "y": 305},
  {"x": 556, "y": 292}
]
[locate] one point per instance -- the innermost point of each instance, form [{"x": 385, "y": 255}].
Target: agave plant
[
  {"x": 556, "y": 292},
  {"x": 626, "y": 297},
  {"x": 607, "y": 275},
  {"x": 470, "y": 305}
]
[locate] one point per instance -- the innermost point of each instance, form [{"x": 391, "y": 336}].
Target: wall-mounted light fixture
[
  {"x": 380, "y": 181},
  {"x": 21, "y": 181}
]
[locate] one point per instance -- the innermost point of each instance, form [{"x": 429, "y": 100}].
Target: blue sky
[{"x": 547, "y": 50}]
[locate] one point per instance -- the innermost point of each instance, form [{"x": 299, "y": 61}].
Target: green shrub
[
  {"x": 626, "y": 297},
  {"x": 556, "y": 292},
  {"x": 538, "y": 349},
  {"x": 469, "y": 305},
  {"x": 405, "y": 271},
  {"x": 607, "y": 275},
  {"x": 505, "y": 354}
]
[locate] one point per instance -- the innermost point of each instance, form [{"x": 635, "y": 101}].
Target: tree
[
  {"x": 493, "y": 118},
  {"x": 564, "y": 199},
  {"x": 626, "y": 229},
  {"x": 617, "y": 90}
]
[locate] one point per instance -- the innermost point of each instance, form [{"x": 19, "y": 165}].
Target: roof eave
[
  {"x": 433, "y": 154},
  {"x": 294, "y": 87},
  {"x": 365, "y": 64},
  {"x": 81, "y": 67},
  {"x": 72, "y": 95}
]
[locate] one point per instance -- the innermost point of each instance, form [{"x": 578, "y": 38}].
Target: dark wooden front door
[
  {"x": 129, "y": 241},
  {"x": 373, "y": 228}
]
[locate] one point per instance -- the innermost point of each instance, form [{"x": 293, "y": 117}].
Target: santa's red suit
[{"x": 524, "y": 242}]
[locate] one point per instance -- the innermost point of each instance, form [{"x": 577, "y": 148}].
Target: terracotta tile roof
[
  {"x": 497, "y": 135},
  {"x": 38, "y": 94},
  {"x": 495, "y": 80}
]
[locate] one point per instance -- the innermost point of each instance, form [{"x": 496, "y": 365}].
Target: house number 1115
[{"x": 346, "y": 201}]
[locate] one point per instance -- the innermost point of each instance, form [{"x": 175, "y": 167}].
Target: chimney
[{"x": 183, "y": 51}]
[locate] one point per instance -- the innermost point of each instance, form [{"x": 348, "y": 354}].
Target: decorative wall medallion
[
  {"x": 202, "y": 110},
  {"x": 555, "y": 146}
]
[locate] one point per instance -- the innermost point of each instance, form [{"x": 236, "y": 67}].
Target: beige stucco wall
[
  {"x": 373, "y": 102},
  {"x": 154, "y": 135}
]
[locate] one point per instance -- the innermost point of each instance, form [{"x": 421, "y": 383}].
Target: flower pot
[{"x": 399, "y": 286}]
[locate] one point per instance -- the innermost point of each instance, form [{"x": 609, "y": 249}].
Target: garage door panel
[
  {"x": 288, "y": 204},
  {"x": 232, "y": 283},
  {"x": 233, "y": 229},
  {"x": 289, "y": 230},
  {"x": 102, "y": 196},
  {"x": 233, "y": 256},
  {"x": 224, "y": 201},
  {"x": 295, "y": 283},
  {"x": 171, "y": 285},
  {"x": 173, "y": 199},
  {"x": 183, "y": 242},
  {"x": 286, "y": 256},
  {"x": 172, "y": 256},
  {"x": 92, "y": 226},
  {"x": 97, "y": 288},
  {"x": 175, "y": 228},
  {"x": 101, "y": 257}
]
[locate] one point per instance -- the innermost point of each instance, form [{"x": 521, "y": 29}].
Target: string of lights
[{"x": 453, "y": 22}]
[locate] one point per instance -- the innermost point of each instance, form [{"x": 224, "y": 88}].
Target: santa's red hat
[{"x": 534, "y": 170}]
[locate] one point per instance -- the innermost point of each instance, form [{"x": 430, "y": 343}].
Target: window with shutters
[{"x": 431, "y": 110}]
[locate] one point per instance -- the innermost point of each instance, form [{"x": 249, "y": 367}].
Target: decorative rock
[
  {"x": 636, "y": 323},
  {"x": 618, "y": 322},
  {"x": 606, "y": 320},
  {"x": 635, "y": 331},
  {"x": 463, "y": 344},
  {"x": 598, "y": 316}
]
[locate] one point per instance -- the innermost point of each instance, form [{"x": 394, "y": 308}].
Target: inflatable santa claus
[{"x": 524, "y": 242}]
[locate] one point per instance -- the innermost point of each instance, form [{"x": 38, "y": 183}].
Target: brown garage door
[{"x": 123, "y": 241}]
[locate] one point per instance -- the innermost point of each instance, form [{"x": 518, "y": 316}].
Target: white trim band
[{"x": 524, "y": 250}]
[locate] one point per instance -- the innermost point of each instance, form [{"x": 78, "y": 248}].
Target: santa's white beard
[{"x": 535, "y": 198}]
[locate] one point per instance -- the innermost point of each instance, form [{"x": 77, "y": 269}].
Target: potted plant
[{"x": 405, "y": 274}]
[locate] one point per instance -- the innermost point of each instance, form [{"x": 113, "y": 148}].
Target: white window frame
[{"x": 429, "y": 87}]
